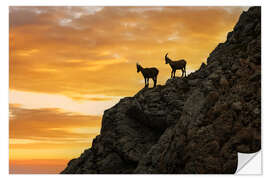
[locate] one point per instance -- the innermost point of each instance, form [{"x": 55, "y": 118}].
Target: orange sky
[{"x": 69, "y": 64}]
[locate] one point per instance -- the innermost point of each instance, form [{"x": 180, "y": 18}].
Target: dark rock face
[{"x": 189, "y": 125}]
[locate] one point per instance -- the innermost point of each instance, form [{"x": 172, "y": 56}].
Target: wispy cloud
[
  {"x": 73, "y": 49},
  {"x": 34, "y": 133},
  {"x": 75, "y": 103}
]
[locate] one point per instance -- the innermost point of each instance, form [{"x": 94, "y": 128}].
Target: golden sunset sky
[{"x": 68, "y": 64}]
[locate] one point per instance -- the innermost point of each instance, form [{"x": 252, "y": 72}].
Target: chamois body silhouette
[
  {"x": 148, "y": 73},
  {"x": 175, "y": 65}
]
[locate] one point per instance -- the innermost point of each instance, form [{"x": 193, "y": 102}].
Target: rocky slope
[{"x": 195, "y": 124}]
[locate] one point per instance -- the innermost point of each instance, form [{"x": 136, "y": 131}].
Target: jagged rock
[
  {"x": 255, "y": 77},
  {"x": 194, "y": 82},
  {"x": 207, "y": 85},
  {"x": 256, "y": 111},
  {"x": 195, "y": 124},
  {"x": 237, "y": 106},
  {"x": 203, "y": 65},
  {"x": 212, "y": 97},
  {"x": 223, "y": 82},
  {"x": 214, "y": 77},
  {"x": 234, "y": 68}
]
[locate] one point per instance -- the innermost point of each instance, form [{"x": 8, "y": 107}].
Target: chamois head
[
  {"x": 166, "y": 59},
  {"x": 138, "y": 67}
]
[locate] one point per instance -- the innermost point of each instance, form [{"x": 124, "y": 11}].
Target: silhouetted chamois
[
  {"x": 148, "y": 73},
  {"x": 179, "y": 64}
]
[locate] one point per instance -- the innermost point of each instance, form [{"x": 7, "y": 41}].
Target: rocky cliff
[{"x": 195, "y": 124}]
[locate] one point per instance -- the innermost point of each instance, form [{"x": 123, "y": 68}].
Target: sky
[{"x": 69, "y": 64}]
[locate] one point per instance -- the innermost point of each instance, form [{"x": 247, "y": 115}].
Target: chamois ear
[
  {"x": 166, "y": 55},
  {"x": 137, "y": 65}
]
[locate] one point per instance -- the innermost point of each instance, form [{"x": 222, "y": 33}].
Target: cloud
[
  {"x": 35, "y": 124},
  {"x": 49, "y": 133},
  {"x": 75, "y": 103},
  {"x": 72, "y": 49}
]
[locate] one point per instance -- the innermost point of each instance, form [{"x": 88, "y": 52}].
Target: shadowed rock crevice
[{"x": 195, "y": 124}]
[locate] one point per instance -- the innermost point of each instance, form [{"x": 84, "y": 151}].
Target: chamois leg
[
  {"x": 182, "y": 72},
  {"x": 144, "y": 82},
  {"x": 155, "y": 81},
  {"x": 147, "y": 82},
  {"x": 172, "y": 74}
]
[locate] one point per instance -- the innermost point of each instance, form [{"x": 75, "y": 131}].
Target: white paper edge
[{"x": 249, "y": 164}]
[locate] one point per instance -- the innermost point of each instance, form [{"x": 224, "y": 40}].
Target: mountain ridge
[{"x": 189, "y": 125}]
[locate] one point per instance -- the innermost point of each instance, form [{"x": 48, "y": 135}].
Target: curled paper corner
[{"x": 249, "y": 163}]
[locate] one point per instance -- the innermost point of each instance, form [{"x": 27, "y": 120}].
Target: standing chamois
[
  {"x": 148, "y": 73},
  {"x": 179, "y": 64}
]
